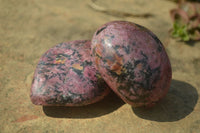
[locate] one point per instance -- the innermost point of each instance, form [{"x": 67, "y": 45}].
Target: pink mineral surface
[
  {"x": 65, "y": 75},
  {"x": 133, "y": 62}
]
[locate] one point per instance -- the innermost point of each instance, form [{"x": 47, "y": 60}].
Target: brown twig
[{"x": 116, "y": 13}]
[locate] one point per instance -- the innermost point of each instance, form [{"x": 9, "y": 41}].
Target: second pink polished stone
[
  {"x": 132, "y": 61},
  {"x": 65, "y": 75}
]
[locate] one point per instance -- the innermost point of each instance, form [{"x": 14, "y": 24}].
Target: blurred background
[{"x": 28, "y": 28}]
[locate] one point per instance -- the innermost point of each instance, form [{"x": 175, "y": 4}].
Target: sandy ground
[{"x": 30, "y": 27}]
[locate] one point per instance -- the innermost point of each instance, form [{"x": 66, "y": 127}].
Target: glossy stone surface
[
  {"x": 66, "y": 76},
  {"x": 132, "y": 61}
]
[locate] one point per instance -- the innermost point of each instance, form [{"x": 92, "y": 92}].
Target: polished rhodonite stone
[
  {"x": 65, "y": 75},
  {"x": 133, "y": 62}
]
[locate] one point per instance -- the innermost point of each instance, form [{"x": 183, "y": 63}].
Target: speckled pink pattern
[
  {"x": 66, "y": 76},
  {"x": 132, "y": 61}
]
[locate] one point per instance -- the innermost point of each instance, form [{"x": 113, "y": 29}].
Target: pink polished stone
[
  {"x": 66, "y": 76},
  {"x": 133, "y": 62}
]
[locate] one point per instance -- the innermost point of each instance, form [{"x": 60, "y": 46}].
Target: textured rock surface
[
  {"x": 65, "y": 75},
  {"x": 133, "y": 62},
  {"x": 28, "y": 28}
]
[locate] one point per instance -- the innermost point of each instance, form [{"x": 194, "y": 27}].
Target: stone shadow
[
  {"x": 179, "y": 102},
  {"x": 109, "y": 104}
]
